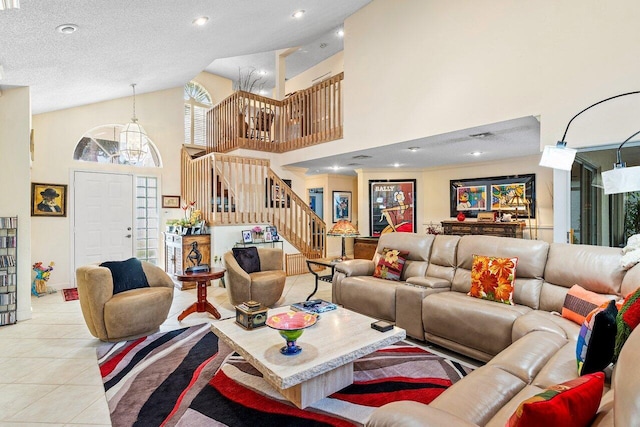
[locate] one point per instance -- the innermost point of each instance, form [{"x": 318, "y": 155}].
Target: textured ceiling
[
  {"x": 149, "y": 42},
  {"x": 503, "y": 140}
]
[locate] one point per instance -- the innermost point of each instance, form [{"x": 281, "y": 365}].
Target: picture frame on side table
[
  {"x": 341, "y": 205},
  {"x": 273, "y": 231},
  {"x": 170, "y": 201},
  {"x": 247, "y": 236},
  {"x": 48, "y": 199}
]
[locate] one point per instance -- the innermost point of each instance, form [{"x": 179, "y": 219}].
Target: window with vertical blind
[
  {"x": 197, "y": 102},
  {"x": 147, "y": 221}
]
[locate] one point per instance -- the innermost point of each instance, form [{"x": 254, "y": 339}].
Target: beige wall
[
  {"x": 330, "y": 183},
  {"x": 327, "y": 68},
  {"x": 56, "y": 135},
  {"x": 15, "y": 199},
  {"x": 435, "y": 67}
]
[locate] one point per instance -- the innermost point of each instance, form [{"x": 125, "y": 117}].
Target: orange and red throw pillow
[
  {"x": 391, "y": 264},
  {"x": 492, "y": 278}
]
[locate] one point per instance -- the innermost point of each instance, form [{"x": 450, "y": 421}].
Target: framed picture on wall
[
  {"x": 512, "y": 194},
  {"x": 341, "y": 205},
  {"x": 48, "y": 199},
  {"x": 392, "y": 206},
  {"x": 170, "y": 201},
  {"x": 276, "y": 197}
]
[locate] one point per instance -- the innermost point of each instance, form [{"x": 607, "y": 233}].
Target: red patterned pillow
[
  {"x": 390, "y": 264},
  {"x": 572, "y": 403},
  {"x": 492, "y": 278}
]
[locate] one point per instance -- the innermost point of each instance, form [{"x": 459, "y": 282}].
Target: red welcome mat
[
  {"x": 187, "y": 377},
  {"x": 70, "y": 294}
]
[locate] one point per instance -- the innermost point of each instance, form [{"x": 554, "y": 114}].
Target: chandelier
[{"x": 134, "y": 143}]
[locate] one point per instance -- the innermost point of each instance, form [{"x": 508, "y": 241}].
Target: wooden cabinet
[
  {"x": 500, "y": 229},
  {"x": 364, "y": 247},
  {"x": 177, "y": 249}
]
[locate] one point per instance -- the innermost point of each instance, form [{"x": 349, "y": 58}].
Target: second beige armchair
[{"x": 264, "y": 286}]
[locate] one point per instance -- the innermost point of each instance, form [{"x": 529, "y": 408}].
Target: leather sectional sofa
[{"x": 528, "y": 346}]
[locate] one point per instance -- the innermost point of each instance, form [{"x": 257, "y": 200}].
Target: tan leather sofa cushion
[
  {"x": 475, "y": 323},
  {"x": 370, "y": 296},
  {"x": 419, "y": 246},
  {"x": 595, "y": 268},
  {"x": 480, "y": 395},
  {"x": 527, "y": 356},
  {"x": 442, "y": 262},
  {"x": 626, "y": 379},
  {"x": 532, "y": 256}
]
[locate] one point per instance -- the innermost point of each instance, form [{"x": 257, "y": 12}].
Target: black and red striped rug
[{"x": 186, "y": 377}]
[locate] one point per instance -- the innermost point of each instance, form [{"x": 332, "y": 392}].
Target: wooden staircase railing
[
  {"x": 305, "y": 118},
  {"x": 233, "y": 190}
]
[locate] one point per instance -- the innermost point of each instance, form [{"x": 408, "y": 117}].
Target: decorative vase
[
  {"x": 461, "y": 216},
  {"x": 290, "y": 326}
]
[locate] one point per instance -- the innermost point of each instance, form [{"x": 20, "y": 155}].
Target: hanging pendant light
[{"x": 134, "y": 143}]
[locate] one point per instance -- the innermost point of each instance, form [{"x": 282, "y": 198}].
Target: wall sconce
[{"x": 562, "y": 157}]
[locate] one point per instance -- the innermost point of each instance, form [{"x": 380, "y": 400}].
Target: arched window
[
  {"x": 197, "y": 102},
  {"x": 102, "y": 145}
]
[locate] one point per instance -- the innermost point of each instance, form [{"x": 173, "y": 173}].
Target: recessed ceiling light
[
  {"x": 298, "y": 14},
  {"x": 262, "y": 72},
  {"x": 67, "y": 28},
  {"x": 335, "y": 168},
  {"x": 414, "y": 149},
  {"x": 361, "y": 156},
  {"x": 323, "y": 45},
  {"x": 476, "y": 153},
  {"x": 340, "y": 32},
  {"x": 396, "y": 165},
  {"x": 200, "y": 21}
]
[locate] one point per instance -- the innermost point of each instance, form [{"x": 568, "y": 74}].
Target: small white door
[{"x": 103, "y": 217}]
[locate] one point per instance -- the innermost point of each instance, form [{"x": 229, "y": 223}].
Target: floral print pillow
[
  {"x": 492, "y": 278},
  {"x": 390, "y": 264}
]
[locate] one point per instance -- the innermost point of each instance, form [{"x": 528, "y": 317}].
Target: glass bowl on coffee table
[{"x": 291, "y": 325}]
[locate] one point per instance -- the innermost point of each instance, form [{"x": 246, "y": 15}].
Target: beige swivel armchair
[
  {"x": 128, "y": 314},
  {"x": 264, "y": 286}
]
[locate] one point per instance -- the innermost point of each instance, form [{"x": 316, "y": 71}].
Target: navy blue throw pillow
[
  {"x": 247, "y": 258},
  {"x": 126, "y": 275}
]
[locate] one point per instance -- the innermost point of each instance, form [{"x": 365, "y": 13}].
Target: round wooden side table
[{"x": 201, "y": 279}]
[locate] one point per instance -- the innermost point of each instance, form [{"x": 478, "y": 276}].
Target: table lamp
[{"x": 343, "y": 228}]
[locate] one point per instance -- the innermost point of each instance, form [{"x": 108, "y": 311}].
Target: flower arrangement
[
  {"x": 258, "y": 230},
  {"x": 191, "y": 222}
]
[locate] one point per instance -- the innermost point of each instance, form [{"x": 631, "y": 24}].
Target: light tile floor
[{"x": 48, "y": 368}]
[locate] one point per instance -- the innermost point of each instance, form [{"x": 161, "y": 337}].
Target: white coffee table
[{"x": 325, "y": 364}]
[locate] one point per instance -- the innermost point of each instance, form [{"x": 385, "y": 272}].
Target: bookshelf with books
[{"x": 8, "y": 269}]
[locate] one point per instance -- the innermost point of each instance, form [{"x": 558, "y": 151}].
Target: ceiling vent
[
  {"x": 361, "y": 156},
  {"x": 354, "y": 164},
  {"x": 481, "y": 135}
]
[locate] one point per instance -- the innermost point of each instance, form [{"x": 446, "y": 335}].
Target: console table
[{"x": 500, "y": 229}]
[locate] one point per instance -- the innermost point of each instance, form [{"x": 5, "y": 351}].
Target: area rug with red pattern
[{"x": 186, "y": 377}]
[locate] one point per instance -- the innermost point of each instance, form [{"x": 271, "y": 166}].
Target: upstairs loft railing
[
  {"x": 304, "y": 118},
  {"x": 232, "y": 190}
]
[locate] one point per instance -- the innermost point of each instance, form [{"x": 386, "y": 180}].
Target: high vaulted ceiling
[{"x": 153, "y": 43}]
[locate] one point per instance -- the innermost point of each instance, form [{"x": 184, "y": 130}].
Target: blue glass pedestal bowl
[{"x": 291, "y": 325}]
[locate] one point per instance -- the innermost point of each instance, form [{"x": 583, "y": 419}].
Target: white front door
[{"x": 103, "y": 217}]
